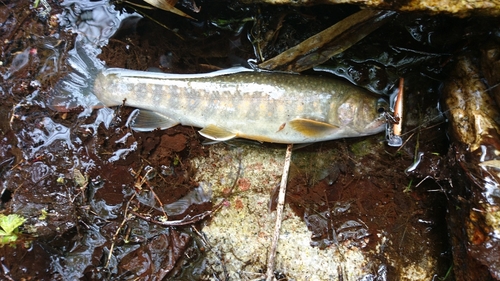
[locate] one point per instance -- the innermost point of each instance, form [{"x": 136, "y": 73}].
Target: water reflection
[{"x": 96, "y": 21}]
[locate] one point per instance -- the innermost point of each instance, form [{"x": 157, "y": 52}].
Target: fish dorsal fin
[
  {"x": 312, "y": 128},
  {"x": 146, "y": 120},
  {"x": 216, "y": 133}
]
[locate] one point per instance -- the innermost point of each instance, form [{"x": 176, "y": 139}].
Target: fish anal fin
[
  {"x": 312, "y": 128},
  {"x": 216, "y": 133},
  {"x": 146, "y": 120}
]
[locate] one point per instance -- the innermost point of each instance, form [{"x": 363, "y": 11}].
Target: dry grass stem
[{"x": 279, "y": 214}]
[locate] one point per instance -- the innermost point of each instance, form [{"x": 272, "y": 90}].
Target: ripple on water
[
  {"x": 47, "y": 134},
  {"x": 96, "y": 21}
]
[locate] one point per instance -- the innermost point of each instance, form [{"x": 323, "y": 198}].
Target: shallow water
[{"x": 77, "y": 174}]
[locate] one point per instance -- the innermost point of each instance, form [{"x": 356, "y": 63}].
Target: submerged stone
[
  {"x": 474, "y": 205},
  {"x": 458, "y": 8}
]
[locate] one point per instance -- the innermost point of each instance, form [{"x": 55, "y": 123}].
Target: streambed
[{"x": 353, "y": 212}]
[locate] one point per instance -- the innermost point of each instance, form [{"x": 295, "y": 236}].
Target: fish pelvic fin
[
  {"x": 313, "y": 128},
  {"x": 217, "y": 133},
  {"x": 144, "y": 121}
]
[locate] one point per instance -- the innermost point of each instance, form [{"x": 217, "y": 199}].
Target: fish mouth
[{"x": 376, "y": 126}]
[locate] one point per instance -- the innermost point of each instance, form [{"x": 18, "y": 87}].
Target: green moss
[
  {"x": 314, "y": 166},
  {"x": 362, "y": 148},
  {"x": 9, "y": 227},
  {"x": 43, "y": 215}
]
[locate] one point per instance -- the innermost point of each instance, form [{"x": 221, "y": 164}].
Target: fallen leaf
[{"x": 168, "y": 5}]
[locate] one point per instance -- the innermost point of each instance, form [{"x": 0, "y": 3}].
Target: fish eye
[{"x": 382, "y": 105}]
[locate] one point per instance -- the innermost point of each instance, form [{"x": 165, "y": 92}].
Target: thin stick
[
  {"x": 185, "y": 221},
  {"x": 279, "y": 214},
  {"x": 115, "y": 236}
]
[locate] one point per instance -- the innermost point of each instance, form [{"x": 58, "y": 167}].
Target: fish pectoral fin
[
  {"x": 146, "y": 120},
  {"x": 312, "y": 128},
  {"x": 216, "y": 133}
]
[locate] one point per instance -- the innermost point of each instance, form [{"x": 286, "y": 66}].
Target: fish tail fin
[{"x": 75, "y": 90}]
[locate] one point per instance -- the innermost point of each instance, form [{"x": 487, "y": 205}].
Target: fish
[
  {"x": 238, "y": 102},
  {"x": 245, "y": 103}
]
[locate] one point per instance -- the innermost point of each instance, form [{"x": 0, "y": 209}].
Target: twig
[
  {"x": 207, "y": 244},
  {"x": 115, "y": 236},
  {"x": 185, "y": 221},
  {"x": 279, "y": 214},
  {"x": 329, "y": 42}
]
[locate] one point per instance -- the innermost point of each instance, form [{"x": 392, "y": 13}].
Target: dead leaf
[
  {"x": 328, "y": 42},
  {"x": 168, "y": 5}
]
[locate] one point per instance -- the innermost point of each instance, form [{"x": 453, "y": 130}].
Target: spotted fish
[{"x": 242, "y": 103}]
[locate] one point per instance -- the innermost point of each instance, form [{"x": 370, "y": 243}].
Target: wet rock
[
  {"x": 472, "y": 112},
  {"x": 490, "y": 66},
  {"x": 459, "y": 8},
  {"x": 36, "y": 256},
  {"x": 474, "y": 205},
  {"x": 157, "y": 258},
  {"x": 345, "y": 218}
]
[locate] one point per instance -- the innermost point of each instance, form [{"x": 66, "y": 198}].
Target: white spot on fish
[{"x": 275, "y": 95}]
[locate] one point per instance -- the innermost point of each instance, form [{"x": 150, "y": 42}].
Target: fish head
[
  {"x": 361, "y": 114},
  {"x": 378, "y": 118}
]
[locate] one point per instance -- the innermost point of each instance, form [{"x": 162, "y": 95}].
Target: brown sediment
[{"x": 352, "y": 190}]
